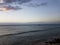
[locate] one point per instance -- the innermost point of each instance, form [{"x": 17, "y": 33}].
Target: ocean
[
  {"x": 27, "y": 34},
  {"x": 11, "y": 29}
]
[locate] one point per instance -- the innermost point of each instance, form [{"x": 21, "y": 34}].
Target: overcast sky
[{"x": 32, "y": 11}]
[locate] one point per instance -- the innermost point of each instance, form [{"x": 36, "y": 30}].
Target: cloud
[
  {"x": 37, "y": 5},
  {"x": 11, "y": 8},
  {"x": 13, "y": 4},
  {"x": 8, "y": 4},
  {"x": 18, "y": 1},
  {"x": 43, "y": 4},
  {"x": 7, "y": 8}
]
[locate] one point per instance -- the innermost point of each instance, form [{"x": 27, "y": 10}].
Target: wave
[{"x": 48, "y": 29}]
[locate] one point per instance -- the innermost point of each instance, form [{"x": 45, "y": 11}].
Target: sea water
[
  {"x": 27, "y": 34},
  {"x": 11, "y": 29}
]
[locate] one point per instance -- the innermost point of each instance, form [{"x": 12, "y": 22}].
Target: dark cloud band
[
  {"x": 8, "y": 4},
  {"x": 37, "y": 5},
  {"x": 19, "y": 1}
]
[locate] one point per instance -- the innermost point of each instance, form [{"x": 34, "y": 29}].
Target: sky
[{"x": 22, "y": 11}]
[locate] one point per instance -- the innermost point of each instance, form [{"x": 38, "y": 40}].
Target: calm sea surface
[{"x": 17, "y": 29}]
